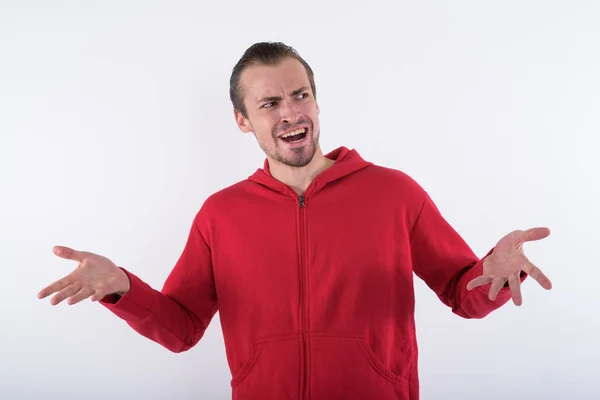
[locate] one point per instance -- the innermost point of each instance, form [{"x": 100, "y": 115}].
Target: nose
[{"x": 289, "y": 112}]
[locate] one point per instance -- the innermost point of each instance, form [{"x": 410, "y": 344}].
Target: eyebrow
[{"x": 276, "y": 98}]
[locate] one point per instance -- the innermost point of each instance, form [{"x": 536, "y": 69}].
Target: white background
[{"x": 115, "y": 125}]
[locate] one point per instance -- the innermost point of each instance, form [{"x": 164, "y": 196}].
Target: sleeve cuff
[{"x": 135, "y": 304}]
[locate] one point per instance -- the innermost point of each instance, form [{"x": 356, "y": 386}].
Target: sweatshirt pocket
[
  {"x": 345, "y": 367},
  {"x": 271, "y": 371}
]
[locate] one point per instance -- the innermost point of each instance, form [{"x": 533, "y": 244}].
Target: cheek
[
  {"x": 265, "y": 127},
  {"x": 261, "y": 123},
  {"x": 311, "y": 110}
]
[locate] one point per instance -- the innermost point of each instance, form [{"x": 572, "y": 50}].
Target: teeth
[{"x": 294, "y": 133}]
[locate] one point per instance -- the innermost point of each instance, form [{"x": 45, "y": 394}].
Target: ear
[{"x": 242, "y": 122}]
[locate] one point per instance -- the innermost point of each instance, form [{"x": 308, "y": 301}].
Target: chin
[{"x": 298, "y": 157}]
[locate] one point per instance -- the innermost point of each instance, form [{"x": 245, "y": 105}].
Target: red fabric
[{"x": 316, "y": 300}]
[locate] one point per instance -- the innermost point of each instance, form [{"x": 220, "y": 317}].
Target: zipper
[{"x": 305, "y": 354}]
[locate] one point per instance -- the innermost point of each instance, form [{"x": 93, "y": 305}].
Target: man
[{"x": 310, "y": 260}]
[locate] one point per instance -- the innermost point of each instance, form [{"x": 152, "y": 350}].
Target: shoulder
[
  {"x": 227, "y": 197},
  {"x": 394, "y": 181},
  {"x": 220, "y": 203}
]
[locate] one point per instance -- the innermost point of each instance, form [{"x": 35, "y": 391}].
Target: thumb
[
  {"x": 534, "y": 234},
  {"x": 68, "y": 253}
]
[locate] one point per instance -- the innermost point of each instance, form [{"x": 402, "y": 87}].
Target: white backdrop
[{"x": 115, "y": 125}]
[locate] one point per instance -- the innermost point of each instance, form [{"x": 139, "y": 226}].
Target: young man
[{"x": 310, "y": 260}]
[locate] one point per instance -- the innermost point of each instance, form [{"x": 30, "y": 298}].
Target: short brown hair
[{"x": 266, "y": 53}]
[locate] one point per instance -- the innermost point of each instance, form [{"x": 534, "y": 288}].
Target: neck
[{"x": 300, "y": 178}]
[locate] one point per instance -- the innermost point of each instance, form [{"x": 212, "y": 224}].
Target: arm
[
  {"x": 177, "y": 316},
  {"x": 443, "y": 260}
]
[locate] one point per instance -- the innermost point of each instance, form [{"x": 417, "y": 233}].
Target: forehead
[{"x": 271, "y": 80}]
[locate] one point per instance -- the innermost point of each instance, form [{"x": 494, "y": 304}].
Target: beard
[
  {"x": 300, "y": 156},
  {"x": 297, "y": 157}
]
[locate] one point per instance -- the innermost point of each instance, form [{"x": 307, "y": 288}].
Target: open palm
[
  {"x": 506, "y": 263},
  {"x": 95, "y": 277}
]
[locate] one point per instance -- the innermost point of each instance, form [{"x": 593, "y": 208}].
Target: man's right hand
[{"x": 95, "y": 276}]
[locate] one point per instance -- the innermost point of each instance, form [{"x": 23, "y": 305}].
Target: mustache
[{"x": 298, "y": 123}]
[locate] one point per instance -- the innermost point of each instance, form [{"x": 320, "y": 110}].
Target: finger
[
  {"x": 98, "y": 295},
  {"x": 537, "y": 274},
  {"x": 68, "y": 253},
  {"x": 479, "y": 281},
  {"x": 65, "y": 293},
  {"x": 55, "y": 287},
  {"x": 497, "y": 284},
  {"x": 533, "y": 234},
  {"x": 514, "y": 283},
  {"x": 79, "y": 296}
]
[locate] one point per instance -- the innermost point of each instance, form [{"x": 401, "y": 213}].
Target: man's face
[{"x": 282, "y": 111}]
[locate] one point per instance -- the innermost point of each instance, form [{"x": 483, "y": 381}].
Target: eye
[
  {"x": 303, "y": 94},
  {"x": 268, "y": 105}
]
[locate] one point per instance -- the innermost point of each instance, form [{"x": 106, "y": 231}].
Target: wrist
[{"x": 124, "y": 283}]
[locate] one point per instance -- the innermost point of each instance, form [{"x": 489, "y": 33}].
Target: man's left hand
[{"x": 506, "y": 263}]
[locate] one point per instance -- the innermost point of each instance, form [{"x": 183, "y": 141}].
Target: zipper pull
[{"x": 301, "y": 201}]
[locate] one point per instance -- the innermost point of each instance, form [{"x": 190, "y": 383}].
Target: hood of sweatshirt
[{"x": 346, "y": 162}]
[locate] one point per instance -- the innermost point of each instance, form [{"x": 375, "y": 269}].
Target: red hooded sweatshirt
[{"x": 314, "y": 292}]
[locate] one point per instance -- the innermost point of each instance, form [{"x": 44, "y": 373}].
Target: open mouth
[{"x": 294, "y": 136}]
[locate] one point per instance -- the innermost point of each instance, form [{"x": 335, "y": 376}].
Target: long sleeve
[
  {"x": 444, "y": 261},
  {"x": 177, "y": 316}
]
